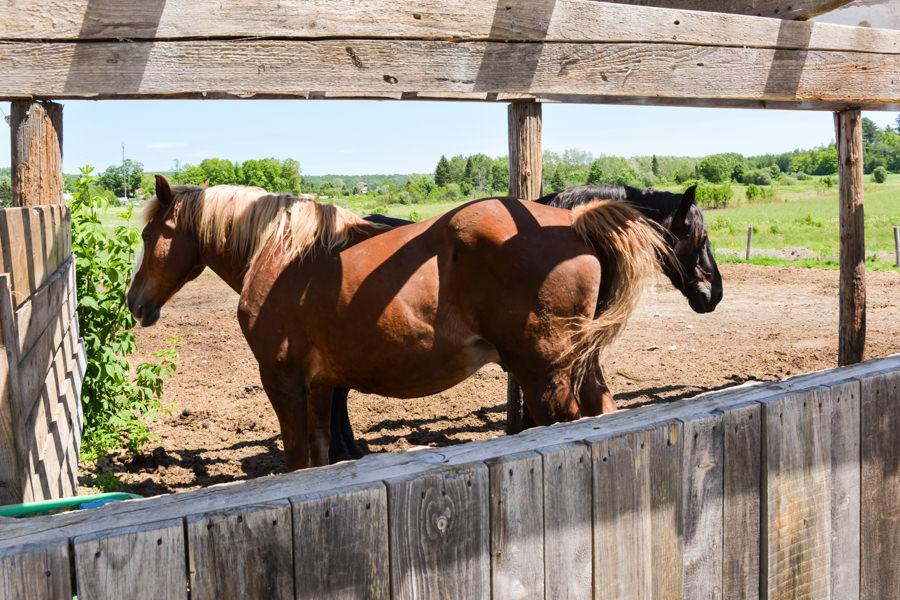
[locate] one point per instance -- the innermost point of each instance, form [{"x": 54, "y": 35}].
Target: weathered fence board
[
  {"x": 241, "y": 553},
  {"x": 43, "y": 358},
  {"x": 646, "y": 471},
  {"x": 703, "y": 494},
  {"x": 517, "y": 526},
  {"x": 36, "y": 572},
  {"x": 568, "y": 556},
  {"x": 880, "y": 487},
  {"x": 439, "y": 534},
  {"x": 740, "y": 514},
  {"x": 526, "y": 20},
  {"x": 290, "y": 68},
  {"x": 353, "y": 523},
  {"x": 797, "y": 471},
  {"x": 622, "y": 533},
  {"x": 136, "y": 562}
]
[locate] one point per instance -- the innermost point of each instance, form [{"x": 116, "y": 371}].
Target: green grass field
[{"x": 804, "y": 214}]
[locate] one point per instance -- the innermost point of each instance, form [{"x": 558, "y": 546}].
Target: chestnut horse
[{"x": 329, "y": 300}]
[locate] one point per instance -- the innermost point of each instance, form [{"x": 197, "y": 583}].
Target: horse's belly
[{"x": 418, "y": 373}]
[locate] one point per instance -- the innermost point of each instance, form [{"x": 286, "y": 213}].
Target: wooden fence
[
  {"x": 777, "y": 490},
  {"x": 42, "y": 359}
]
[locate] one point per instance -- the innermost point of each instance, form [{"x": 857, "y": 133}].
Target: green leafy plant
[
  {"x": 879, "y": 175},
  {"x": 116, "y": 404}
]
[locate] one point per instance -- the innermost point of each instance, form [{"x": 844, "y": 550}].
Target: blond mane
[{"x": 241, "y": 219}]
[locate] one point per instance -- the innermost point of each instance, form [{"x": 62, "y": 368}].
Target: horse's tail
[{"x": 628, "y": 247}]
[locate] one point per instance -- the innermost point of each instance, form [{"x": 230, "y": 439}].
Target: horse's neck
[{"x": 227, "y": 267}]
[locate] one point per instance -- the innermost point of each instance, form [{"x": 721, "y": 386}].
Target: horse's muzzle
[
  {"x": 145, "y": 312},
  {"x": 704, "y": 297}
]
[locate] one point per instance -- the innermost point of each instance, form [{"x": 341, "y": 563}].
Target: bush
[
  {"x": 801, "y": 176},
  {"x": 115, "y": 404},
  {"x": 758, "y": 177},
  {"x": 712, "y": 196},
  {"x": 879, "y": 175}
]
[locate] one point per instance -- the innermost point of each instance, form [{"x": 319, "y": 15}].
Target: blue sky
[{"x": 363, "y": 137}]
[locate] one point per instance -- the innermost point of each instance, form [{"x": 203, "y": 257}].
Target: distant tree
[
  {"x": 5, "y": 192},
  {"x": 869, "y": 131},
  {"x": 879, "y": 175},
  {"x": 654, "y": 166},
  {"x": 442, "y": 172},
  {"x": 112, "y": 179},
  {"x": 557, "y": 182},
  {"x": 595, "y": 175},
  {"x": 715, "y": 169},
  {"x": 500, "y": 175}
]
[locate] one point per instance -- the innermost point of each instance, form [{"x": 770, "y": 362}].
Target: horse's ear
[
  {"x": 687, "y": 199},
  {"x": 206, "y": 183},
  {"x": 163, "y": 191}
]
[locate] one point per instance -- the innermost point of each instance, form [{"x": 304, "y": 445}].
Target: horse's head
[
  {"x": 170, "y": 258},
  {"x": 693, "y": 270}
]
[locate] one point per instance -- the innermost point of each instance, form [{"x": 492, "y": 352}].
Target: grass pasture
[{"x": 807, "y": 217}]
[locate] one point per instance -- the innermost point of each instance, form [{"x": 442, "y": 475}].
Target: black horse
[{"x": 694, "y": 271}]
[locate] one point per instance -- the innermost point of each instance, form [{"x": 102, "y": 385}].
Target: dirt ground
[{"x": 772, "y": 323}]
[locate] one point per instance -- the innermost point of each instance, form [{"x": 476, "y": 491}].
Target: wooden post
[
  {"x": 525, "y": 178},
  {"x": 749, "y": 240},
  {"x": 897, "y": 245},
  {"x": 852, "y": 333},
  {"x": 36, "y": 153}
]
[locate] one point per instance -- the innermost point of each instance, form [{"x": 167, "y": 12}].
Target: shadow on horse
[{"x": 329, "y": 300}]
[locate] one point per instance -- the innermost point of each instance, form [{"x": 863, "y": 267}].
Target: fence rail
[
  {"x": 42, "y": 359},
  {"x": 760, "y": 491}
]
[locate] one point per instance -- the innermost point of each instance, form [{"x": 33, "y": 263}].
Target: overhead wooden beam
[
  {"x": 37, "y": 176},
  {"x": 643, "y": 73},
  {"x": 525, "y": 181},
  {"x": 589, "y": 51},
  {"x": 557, "y": 20},
  {"x": 852, "y": 313}
]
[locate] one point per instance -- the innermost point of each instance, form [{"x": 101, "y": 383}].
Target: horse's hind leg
[
  {"x": 549, "y": 399},
  {"x": 343, "y": 445}
]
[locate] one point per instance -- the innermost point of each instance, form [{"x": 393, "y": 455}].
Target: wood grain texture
[
  {"x": 36, "y": 157},
  {"x": 797, "y": 509},
  {"x": 12, "y": 484},
  {"x": 36, "y": 573},
  {"x": 439, "y": 534},
  {"x": 852, "y": 307},
  {"x": 568, "y": 564},
  {"x": 664, "y": 458},
  {"x": 287, "y": 68},
  {"x": 741, "y": 486},
  {"x": 146, "y": 561},
  {"x": 845, "y": 486},
  {"x": 242, "y": 553},
  {"x": 703, "y": 505},
  {"x": 38, "y": 312},
  {"x": 341, "y": 543},
  {"x": 15, "y": 238},
  {"x": 622, "y": 527},
  {"x": 517, "y": 526},
  {"x": 880, "y": 487},
  {"x": 526, "y": 20}
]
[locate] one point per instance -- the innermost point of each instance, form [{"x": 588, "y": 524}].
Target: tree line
[{"x": 460, "y": 177}]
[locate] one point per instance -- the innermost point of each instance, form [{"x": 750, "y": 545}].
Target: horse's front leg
[
  {"x": 343, "y": 445},
  {"x": 304, "y": 417}
]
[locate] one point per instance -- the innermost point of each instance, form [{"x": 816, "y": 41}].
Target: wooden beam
[
  {"x": 852, "y": 334},
  {"x": 36, "y": 153},
  {"x": 525, "y": 20},
  {"x": 525, "y": 180},
  {"x": 472, "y": 50}
]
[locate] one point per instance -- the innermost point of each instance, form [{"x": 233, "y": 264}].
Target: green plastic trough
[{"x": 51, "y": 507}]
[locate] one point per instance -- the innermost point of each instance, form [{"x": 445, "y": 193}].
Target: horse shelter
[{"x": 777, "y": 490}]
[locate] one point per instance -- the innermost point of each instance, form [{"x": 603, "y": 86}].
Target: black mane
[{"x": 654, "y": 204}]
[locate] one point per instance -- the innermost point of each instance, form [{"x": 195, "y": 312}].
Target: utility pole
[{"x": 124, "y": 174}]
